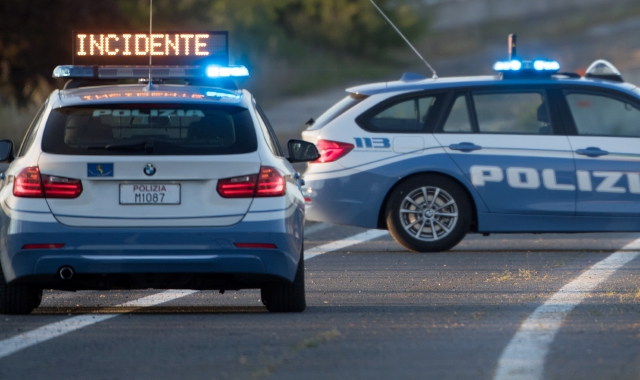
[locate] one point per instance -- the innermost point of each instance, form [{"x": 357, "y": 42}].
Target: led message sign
[{"x": 166, "y": 48}]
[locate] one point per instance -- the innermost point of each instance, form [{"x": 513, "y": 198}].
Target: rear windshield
[{"x": 149, "y": 129}]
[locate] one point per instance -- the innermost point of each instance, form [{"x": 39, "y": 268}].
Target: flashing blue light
[
  {"x": 542, "y": 65},
  {"x": 227, "y": 71},
  {"x": 513, "y": 65},
  {"x": 520, "y": 68}
]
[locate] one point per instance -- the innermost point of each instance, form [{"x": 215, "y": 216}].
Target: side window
[
  {"x": 513, "y": 113},
  {"x": 458, "y": 120},
  {"x": 409, "y": 115},
  {"x": 599, "y": 115},
  {"x": 30, "y": 137},
  {"x": 267, "y": 131}
]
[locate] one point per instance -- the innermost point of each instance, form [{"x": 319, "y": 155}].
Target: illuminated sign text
[{"x": 166, "y": 48}]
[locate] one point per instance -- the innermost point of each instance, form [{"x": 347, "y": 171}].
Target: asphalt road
[
  {"x": 498, "y": 307},
  {"x": 375, "y": 311}
]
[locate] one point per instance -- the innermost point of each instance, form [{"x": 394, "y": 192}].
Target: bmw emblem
[{"x": 149, "y": 170}]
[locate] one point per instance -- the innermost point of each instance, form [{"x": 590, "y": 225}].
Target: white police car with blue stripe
[
  {"x": 151, "y": 185},
  {"x": 528, "y": 150}
]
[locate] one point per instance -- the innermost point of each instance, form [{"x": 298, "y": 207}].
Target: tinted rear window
[{"x": 149, "y": 129}]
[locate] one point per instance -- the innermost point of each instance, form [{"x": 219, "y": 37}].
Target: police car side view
[
  {"x": 151, "y": 184},
  {"x": 528, "y": 150}
]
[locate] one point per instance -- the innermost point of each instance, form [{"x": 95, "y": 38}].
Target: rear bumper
[{"x": 191, "y": 256}]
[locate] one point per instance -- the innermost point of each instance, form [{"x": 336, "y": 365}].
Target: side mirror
[
  {"x": 302, "y": 151},
  {"x": 6, "y": 151}
]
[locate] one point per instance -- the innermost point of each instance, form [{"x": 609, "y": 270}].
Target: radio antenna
[{"x": 435, "y": 76}]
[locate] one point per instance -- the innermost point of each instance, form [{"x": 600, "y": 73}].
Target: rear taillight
[
  {"x": 332, "y": 150},
  {"x": 268, "y": 183},
  {"x": 238, "y": 187},
  {"x": 59, "y": 187},
  {"x": 271, "y": 183},
  {"x": 29, "y": 183}
]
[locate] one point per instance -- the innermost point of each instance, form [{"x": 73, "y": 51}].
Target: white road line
[
  {"x": 54, "y": 330},
  {"x": 523, "y": 358},
  {"x": 340, "y": 244},
  {"x": 316, "y": 227}
]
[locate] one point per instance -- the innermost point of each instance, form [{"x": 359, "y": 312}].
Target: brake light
[
  {"x": 238, "y": 187},
  {"x": 332, "y": 150},
  {"x": 268, "y": 183},
  {"x": 271, "y": 183},
  {"x": 29, "y": 183},
  {"x": 59, "y": 187}
]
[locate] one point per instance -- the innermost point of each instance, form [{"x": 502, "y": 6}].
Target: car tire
[
  {"x": 18, "y": 298},
  {"x": 285, "y": 297},
  {"x": 434, "y": 222}
]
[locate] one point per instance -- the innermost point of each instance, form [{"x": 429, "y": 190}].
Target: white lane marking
[
  {"x": 340, "y": 244},
  {"x": 523, "y": 358},
  {"x": 54, "y": 330},
  {"x": 316, "y": 227}
]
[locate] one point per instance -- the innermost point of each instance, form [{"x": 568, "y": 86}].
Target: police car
[
  {"x": 530, "y": 149},
  {"x": 153, "y": 184}
]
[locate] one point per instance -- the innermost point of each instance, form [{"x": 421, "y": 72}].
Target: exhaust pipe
[{"x": 66, "y": 273}]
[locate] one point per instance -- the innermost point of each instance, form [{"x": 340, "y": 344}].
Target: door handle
[
  {"x": 465, "y": 147},
  {"x": 592, "y": 152}
]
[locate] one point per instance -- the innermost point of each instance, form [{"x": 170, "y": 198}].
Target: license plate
[{"x": 150, "y": 194}]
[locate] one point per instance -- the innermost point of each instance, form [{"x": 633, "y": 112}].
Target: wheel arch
[{"x": 382, "y": 220}]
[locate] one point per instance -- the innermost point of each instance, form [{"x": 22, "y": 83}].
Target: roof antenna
[
  {"x": 513, "y": 45},
  {"x": 150, "y": 87},
  {"x": 435, "y": 76}
]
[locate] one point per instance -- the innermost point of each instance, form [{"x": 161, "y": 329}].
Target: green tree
[{"x": 35, "y": 36}]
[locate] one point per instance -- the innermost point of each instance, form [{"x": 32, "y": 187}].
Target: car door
[
  {"x": 512, "y": 150},
  {"x": 605, "y": 138}
]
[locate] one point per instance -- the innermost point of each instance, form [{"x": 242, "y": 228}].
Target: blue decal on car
[{"x": 100, "y": 170}]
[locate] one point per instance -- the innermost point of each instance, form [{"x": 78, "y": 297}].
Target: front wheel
[
  {"x": 284, "y": 296},
  {"x": 428, "y": 213}
]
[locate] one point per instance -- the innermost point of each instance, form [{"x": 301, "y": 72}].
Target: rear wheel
[
  {"x": 18, "y": 298},
  {"x": 284, "y": 296},
  {"x": 428, "y": 213}
]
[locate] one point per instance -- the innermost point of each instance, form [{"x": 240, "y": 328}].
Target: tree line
[{"x": 35, "y": 35}]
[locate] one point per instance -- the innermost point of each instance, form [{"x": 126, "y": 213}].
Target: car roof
[
  {"x": 137, "y": 93},
  {"x": 473, "y": 81}
]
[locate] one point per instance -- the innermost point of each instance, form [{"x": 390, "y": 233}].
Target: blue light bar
[
  {"x": 542, "y": 65},
  {"x": 521, "y": 69},
  {"x": 73, "y": 72},
  {"x": 513, "y": 65},
  {"x": 142, "y": 72},
  {"x": 215, "y": 71}
]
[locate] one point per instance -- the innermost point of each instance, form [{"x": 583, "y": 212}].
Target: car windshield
[{"x": 132, "y": 129}]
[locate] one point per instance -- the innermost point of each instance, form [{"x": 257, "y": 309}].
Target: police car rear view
[
  {"x": 151, "y": 184},
  {"x": 528, "y": 150}
]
